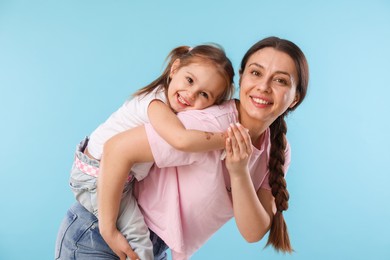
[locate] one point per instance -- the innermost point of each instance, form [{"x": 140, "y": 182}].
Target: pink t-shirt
[{"x": 185, "y": 198}]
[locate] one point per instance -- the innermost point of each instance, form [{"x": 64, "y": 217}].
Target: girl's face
[
  {"x": 194, "y": 86},
  {"x": 267, "y": 87}
]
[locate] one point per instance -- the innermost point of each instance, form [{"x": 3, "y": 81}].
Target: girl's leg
[{"x": 132, "y": 225}]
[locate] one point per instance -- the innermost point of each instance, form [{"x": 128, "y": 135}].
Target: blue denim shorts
[{"x": 79, "y": 238}]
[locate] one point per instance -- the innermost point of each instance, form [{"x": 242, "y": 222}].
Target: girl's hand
[
  {"x": 119, "y": 244},
  {"x": 238, "y": 149}
]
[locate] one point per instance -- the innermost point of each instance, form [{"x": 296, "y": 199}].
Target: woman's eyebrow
[
  {"x": 277, "y": 72},
  {"x": 256, "y": 64}
]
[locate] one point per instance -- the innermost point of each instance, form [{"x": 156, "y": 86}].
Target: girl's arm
[
  {"x": 169, "y": 127},
  {"x": 253, "y": 211},
  {"x": 118, "y": 157}
]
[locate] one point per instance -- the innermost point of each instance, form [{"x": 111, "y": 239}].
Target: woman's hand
[
  {"x": 119, "y": 244},
  {"x": 238, "y": 149}
]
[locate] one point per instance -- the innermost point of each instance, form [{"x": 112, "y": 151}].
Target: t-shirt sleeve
[{"x": 167, "y": 156}]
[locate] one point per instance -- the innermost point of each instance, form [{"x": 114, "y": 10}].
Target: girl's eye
[
  {"x": 190, "y": 80},
  {"x": 204, "y": 94}
]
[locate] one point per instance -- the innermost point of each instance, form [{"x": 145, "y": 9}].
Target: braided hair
[{"x": 278, "y": 236}]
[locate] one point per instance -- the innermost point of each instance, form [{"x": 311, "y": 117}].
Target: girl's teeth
[
  {"x": 260, "y": 101},
  {"x": 181, "y": 100}
]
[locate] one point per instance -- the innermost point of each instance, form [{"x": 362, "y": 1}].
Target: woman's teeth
[{"x": 260, "y": 101}]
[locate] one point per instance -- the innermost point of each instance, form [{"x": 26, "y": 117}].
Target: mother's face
[{"x": 268, "y": 85}]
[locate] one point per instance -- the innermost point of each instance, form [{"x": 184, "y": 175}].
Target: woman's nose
[{"x": 263, "y": 85}]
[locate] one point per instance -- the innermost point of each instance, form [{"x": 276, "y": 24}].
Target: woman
[{"x": 186, "y": 204}]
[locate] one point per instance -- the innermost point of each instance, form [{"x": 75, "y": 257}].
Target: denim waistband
[
  {"x": 83, "y": 162},
  {"x": 86, "y": 164}
]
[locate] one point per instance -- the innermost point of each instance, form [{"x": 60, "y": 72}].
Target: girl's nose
[{"x": 191, "y": 95}]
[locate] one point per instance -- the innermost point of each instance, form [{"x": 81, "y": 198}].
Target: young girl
[{"x": 195, "y": 78}]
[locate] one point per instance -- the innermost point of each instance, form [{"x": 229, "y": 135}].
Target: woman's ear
[
  {"x": 174, "y": 67},
  {"x": 296, "y": 100}
]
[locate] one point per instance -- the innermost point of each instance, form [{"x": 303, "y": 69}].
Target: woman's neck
[{"x": 256, "y": 127}]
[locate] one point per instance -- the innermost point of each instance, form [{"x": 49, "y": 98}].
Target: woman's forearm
[{"x": 252, "y": 219}]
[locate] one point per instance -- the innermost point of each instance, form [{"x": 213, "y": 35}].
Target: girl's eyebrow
[
  {"x": 192, "y": 75},
  {"x": 278, "y": 71}
]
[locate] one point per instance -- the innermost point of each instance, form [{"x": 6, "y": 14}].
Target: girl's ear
[
  {"x": 296, "y": 100},
  {"x": 174, "y": 67}
]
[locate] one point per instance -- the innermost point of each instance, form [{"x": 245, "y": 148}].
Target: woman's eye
[
  {"x": 190, "y": 80},
  {"x": 255, "y": 73},
  {"x": 204, "y": 94},
  {"x": 281, "y": 81}
]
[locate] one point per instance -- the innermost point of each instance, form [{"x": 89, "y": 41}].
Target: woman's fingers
[
  {"x": 240, "y": 139},
  {"x": 232, "y": 139}
]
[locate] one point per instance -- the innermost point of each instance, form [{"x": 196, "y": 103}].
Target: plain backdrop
[{"x": 66, "y": 65}]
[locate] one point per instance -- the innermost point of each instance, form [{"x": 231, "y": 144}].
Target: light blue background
[{"x": 65, "y": 66}]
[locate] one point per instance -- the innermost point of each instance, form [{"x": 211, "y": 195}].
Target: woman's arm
[
  {"x": 119, "y": 155},
  {"x": 169, "y": 127},
  {"x": 253, "y": 210}
]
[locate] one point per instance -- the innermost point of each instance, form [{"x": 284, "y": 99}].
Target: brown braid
[{"x": 278, "y": 236}]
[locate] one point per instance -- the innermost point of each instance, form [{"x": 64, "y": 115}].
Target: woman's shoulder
[{"x": 217, "y": 116}]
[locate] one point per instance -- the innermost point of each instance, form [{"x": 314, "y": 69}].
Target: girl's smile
[{"x": 194, "y": 86}]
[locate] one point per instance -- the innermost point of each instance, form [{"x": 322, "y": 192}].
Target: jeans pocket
[
  {"x": 85, "y": 192},
  {"x": 65, "y": 224}
]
